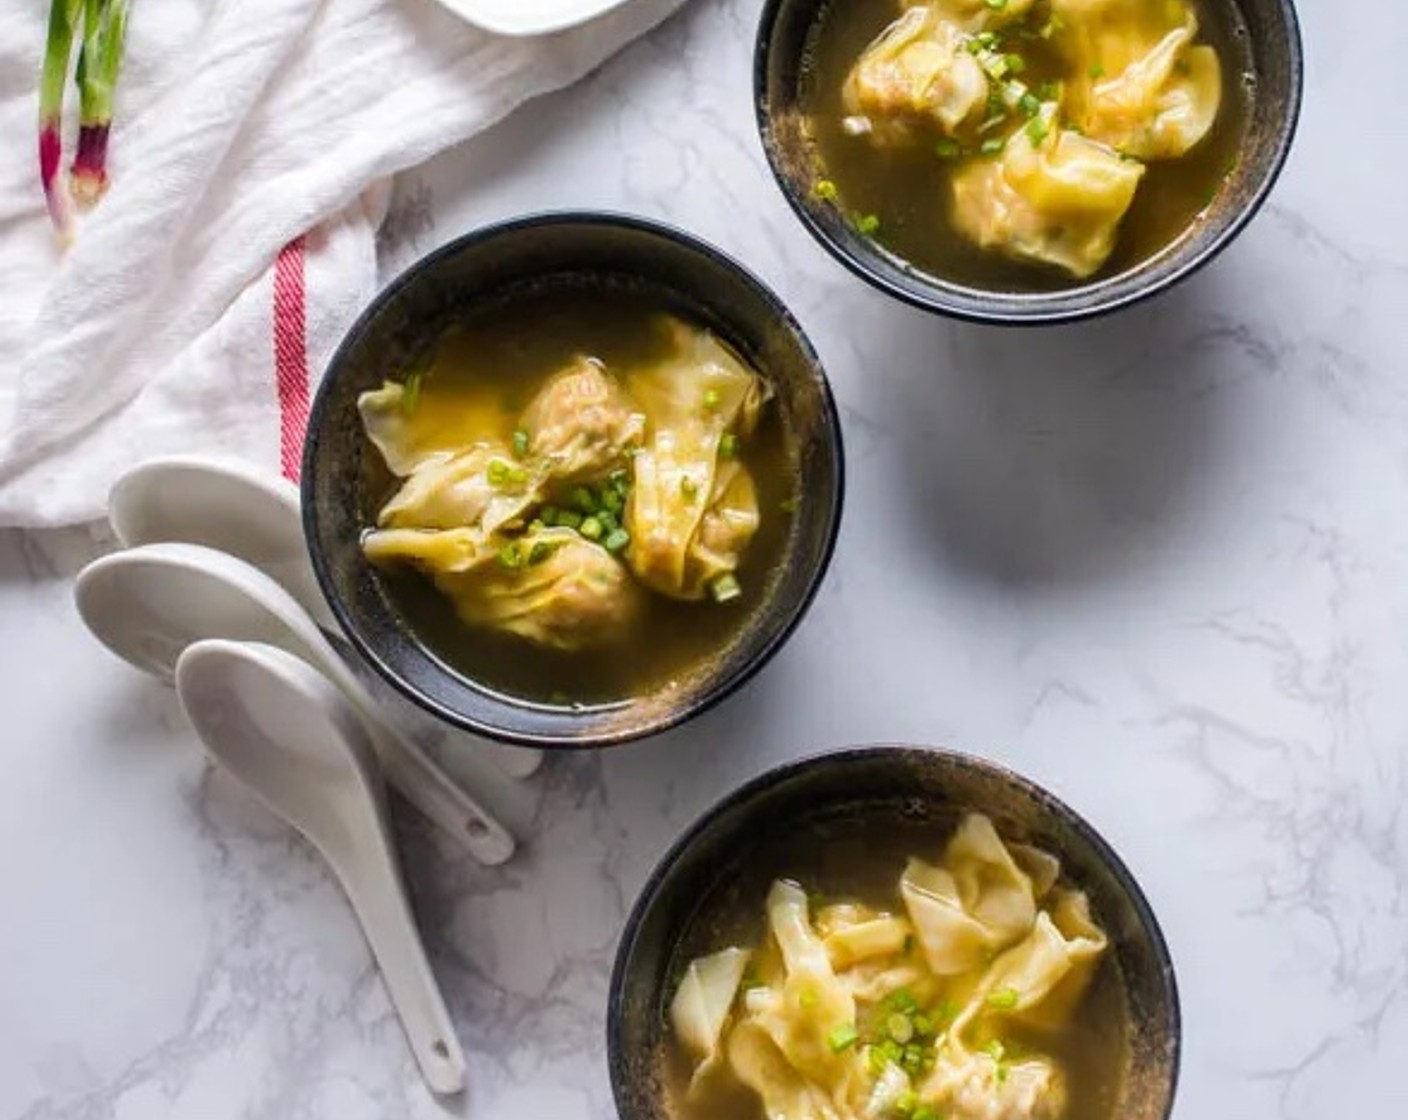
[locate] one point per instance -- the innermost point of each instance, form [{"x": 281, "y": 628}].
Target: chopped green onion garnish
[
  {"x": 1004, "y": 999},
  {"x": 612, "y": 500},
  {"x": 867, "y": 225},
  {"x": 616, "y": 540},
  {"x": 923, "y": 1026},
  {"x": 987, "y": 39},
  {"x": 511, "y": 555},
  {"x": 726, "y": 588},
  {"x": 1049, "y": 91},
  {"x": 903, "y": 1001},
  {"x": 907, "y": 1102},
  {"x": 1030, "y": 104},
  {"x": 591, "y": 529},
  {"x": 548, "y": 515},
  {"x": 997, "y": 5},
  {"x": 712, "y": 399},
  {"x": 996, "y": 66},
  {"x": 1015, "y": 63},
  {"x": 900, "y": 1028},
  {"x": 536, "y": 525},
  {"x": 520, "y": 442},
  {"x": 688, "y": 487},
  {"x": 1097, "y": 72},
  {"x": 728, "y": 445},
  {"x": 1037, "y": 130},
  {"x": 569, "y": 519},
  {"x": 620, "y": 480},
  {"x": 994, "y": 1050},
  {"x": 925, "y": 1112},
  {"x": 540, "y": 551},
  {"x": 824, "y": 190},
  {"x": 892, "y": 1050},
  {"x": 410, "y": 394},
  {"x": 608, "y": 519},
  {"x": 947, "y": 149},
  {"x": 584, "y": 499},
  {"x": 993, "y": 146},
  {"x": 497, "y": 472},
  {"x": 808, "y": 998},
  {"x": 842, "y": 1038},
  {"x": 944, "y": 1010}
]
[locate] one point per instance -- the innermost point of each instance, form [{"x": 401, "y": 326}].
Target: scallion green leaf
[{"x": 725, "y": 588}]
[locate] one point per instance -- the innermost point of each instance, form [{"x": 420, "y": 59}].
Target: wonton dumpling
[
  {"x": 811, "y": 1003},
  {"x": 455, "y": 492},
  {"x": 1042, "y": 868},
  {"x": 976, "y": 1086},
  {"x": 978, "y": 903},
  {"x": 917, "y": 72},
  {"x": 786, "y": 1095},
  {"x": 1059, "y": 202},
  {"x": 976, "y": 15},
  {"x": 1052, "y": 969},
  {"x": 701, "y": 1005},
  {"x": 691, "y": 513},
  {"x": 423, "y": 420},
  {"x": 562, "y": 590},
  {"x": 434, "y": 552},
  {"x": 388, "y": 425},
  {"x": 1139, "y": 83},
  {"x": 581, "y": 422}
]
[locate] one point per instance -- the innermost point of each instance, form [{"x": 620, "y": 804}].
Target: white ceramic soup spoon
[
  {"x": 281, "y": 728},
  {"x": 228, "y": 504},
  {"x": 148, "y": 604}
]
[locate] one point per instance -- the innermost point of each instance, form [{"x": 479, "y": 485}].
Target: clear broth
[
  {"x": 480, "y": 374},
  {"x": 861, "y": 858},
  {"x": 907, "y": 188}
]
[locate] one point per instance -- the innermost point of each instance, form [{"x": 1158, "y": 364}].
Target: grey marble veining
[{"x": 1158, "y": 562}]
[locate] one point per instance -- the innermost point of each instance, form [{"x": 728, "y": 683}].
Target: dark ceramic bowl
[
  {"x": 780, "y": 69},
  {"x": 730, "y": 852},
  {"x": 344, "y": 481}
]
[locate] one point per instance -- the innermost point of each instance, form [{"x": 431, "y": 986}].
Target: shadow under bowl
[
  {"x": 740, "y": 840},
  {"x": 344, "y": 482},
  {"x": 782, "y": 68}
]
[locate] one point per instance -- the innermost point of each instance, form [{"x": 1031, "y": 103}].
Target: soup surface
[
  {"x": 1027, "y": 145},
  {"x": 897, "y": 970},
  {"x": 584, "y": 496}
]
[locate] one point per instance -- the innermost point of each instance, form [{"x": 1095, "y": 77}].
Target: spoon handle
[
  {"x": 414, "y": 774},
  {"x": 378, "y": 896},
  {"x": 422, "y": 782}
]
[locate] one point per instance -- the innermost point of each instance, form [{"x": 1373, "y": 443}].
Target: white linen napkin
[{"x": 252, "y": 144}]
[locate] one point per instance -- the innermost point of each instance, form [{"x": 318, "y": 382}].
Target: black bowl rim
[
  {"x": 716, "y": 693},
  {"x": 1035, "y": 309},
  {"x": 843, "y": 756}
]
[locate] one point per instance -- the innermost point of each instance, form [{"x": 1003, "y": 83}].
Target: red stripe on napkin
[{"x": 291, "y": 355}]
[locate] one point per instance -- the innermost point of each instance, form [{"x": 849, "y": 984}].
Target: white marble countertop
[{"x": 1158, "y": 562}]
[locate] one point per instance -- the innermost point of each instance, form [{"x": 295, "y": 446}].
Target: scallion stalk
[
  {"x": 99, "y": 62},
  {"x": 58, "y": 47}
]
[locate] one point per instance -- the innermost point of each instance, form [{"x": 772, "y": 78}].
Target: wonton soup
[
  {"x": 1025, "y": 145},
  {"x": 897, "y": 974},
  {"x": 586, "y": 494}
]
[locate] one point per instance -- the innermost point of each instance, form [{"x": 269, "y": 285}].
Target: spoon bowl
[
  {"x": 228, "y": 505},
  {"x": 283, "y": 730},
  {"x": 148, "y": 604}
]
